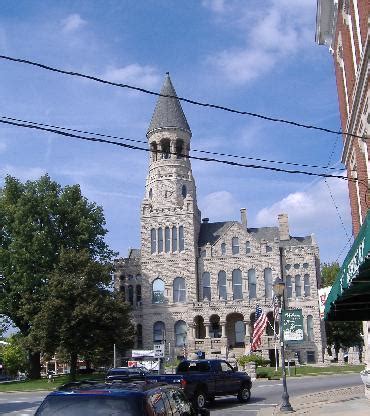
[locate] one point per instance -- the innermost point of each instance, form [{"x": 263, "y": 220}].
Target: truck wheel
[
  {"x": 200, "y": 399},
  {"x": 244, "y": 394}
]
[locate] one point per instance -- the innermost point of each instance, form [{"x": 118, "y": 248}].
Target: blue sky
[{"x": 255, "y": 56}]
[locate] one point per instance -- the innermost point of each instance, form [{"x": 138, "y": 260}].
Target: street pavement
[{"x": 347, "y": 390}]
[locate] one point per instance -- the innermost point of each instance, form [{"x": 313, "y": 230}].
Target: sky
[{"x": 254, "y": 56}]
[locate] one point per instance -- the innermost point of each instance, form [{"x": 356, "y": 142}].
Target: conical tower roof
[{"x": 168, "y": 111}]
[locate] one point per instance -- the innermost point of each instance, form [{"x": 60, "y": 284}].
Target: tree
[
  {"x": 339, "y": 334},
  {"x": 81, "y": 314},
  {"x": 38, "y": 220},
  {"x": 13, "y": 356}
]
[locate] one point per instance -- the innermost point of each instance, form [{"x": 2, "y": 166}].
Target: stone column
[
  {"x": 223, "y": 329},
  {"x": 207, "y": 329}
]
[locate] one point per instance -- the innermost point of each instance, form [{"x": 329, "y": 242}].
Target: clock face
[{"x": 167, "y": 191}]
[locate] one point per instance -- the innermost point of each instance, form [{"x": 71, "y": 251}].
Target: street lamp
[{"x": 278, "y": 288}]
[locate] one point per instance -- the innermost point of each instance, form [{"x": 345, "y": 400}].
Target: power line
[
  {"x": 145, "y": 142},
  {"x": 129, "y": 146},
  {"x": 186, "y": 100}
]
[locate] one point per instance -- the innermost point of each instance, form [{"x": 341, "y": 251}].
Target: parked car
[
  {"x": 126, "y": 374},
  {"x": 203, "y": 380},
  {"x": 119, "y": 398}
]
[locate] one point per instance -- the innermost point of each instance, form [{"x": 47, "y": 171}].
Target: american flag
[{"x": 258, "y": 328}]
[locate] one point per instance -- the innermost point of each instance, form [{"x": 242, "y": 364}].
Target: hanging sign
[{"x": 292, "y": 324}]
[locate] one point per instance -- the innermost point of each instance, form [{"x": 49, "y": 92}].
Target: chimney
[
  {"x": 283, "y": 227},
  {"x": 243, "y": 217},
  {"x": 205, "y": 220}
]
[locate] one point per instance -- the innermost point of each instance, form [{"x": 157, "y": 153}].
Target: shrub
[{"x": 260, "y": 362}]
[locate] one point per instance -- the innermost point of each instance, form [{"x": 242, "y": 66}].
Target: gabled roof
[
  {"x": 211, "y": 232},
  {"x": 168, "y": 111}
]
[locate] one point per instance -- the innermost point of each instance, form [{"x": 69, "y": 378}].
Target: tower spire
[{"x": 168, "y": 111}]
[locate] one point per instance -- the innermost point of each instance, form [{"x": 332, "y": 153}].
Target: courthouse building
[{"x": 194, "y": 283}]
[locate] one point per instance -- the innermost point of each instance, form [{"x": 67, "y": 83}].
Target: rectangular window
[
  {"x": 181, "y": 238},
  {"x": 160, "y": 240},
  {"x": 153, "y": 241},
  {"x": 235, "y": 245},
  {"x": 174, "y": 238},
  {"x": 167, "y": 239}
]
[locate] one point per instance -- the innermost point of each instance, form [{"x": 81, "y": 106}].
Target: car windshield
[{"x": 76, "y": 405}]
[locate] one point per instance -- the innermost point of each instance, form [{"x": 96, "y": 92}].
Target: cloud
[
  {"x": 72, "y": 23},
  {"x": 217, "y": 6},
  {"x": 313, "y": 211},
  {"x": 276, "y": 32},
  {"x": 219, "y": 206},
  {"x": 144, "y": 76},
  {"x": 21, "y": 173}
]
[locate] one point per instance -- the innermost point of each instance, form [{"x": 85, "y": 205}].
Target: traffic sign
[{"x": 158, "y": 350}]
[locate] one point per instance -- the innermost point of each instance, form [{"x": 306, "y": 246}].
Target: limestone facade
[{"x": 194, "y": 284}]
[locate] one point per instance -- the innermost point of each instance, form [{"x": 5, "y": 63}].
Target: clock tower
[{"x": 170, "y": 218}]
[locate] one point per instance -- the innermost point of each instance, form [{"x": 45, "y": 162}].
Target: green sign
[{"x": 292, "y": 324}]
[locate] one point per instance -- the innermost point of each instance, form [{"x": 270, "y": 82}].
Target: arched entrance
[
  {"x": 235, "y": 330},
  {"x": 215, "y": 327}
]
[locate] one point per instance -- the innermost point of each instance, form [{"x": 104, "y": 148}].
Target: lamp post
[{"x": 278, "y": 288}]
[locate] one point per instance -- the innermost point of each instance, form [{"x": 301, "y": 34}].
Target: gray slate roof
[
  {"x": 168, "y": 111},
  {"x": 211, "y": 232}
]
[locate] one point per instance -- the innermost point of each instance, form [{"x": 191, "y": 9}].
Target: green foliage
[
  {"x": 80, "y": 314},
  {"x": 13, "y": 356},
  {"x": 256, "y": 358},
  {"x": 339, "y": 334},
  {"x": 40, "y": 220}
]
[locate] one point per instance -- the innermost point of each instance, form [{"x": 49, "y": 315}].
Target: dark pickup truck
[{"x": 203, "y": 380}]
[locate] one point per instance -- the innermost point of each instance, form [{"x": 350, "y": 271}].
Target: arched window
[
  {"x": 181, "y": 238},
  {"x": 154, "y": 150},
  {"x": 180, "y": 333},
  {"x": 223, "y": 249},
  {"x": 159, "y": 332},
  {"x": 237, "y": 284},
  {"x": 252, "y": 284},
  {"x": 298, "y": 286},
  {"x": 131, "y": 294},
  {"x": 289, "y": 288},
  {"x": 221, "y": 285},
  {"x": 179, "y": 149},
  {"x": 138, "y": 294},
  {"x": 267, "y": 275},
  {"x": 206, "y": 286},
  {"x": 139, "y": 335},
  {"x": 167, "y": 240},
  {"x": 123, "y": 292},
  {"x": 247, "y": 247},
  {"x": 166, "y": 150},
  {"x": 153, "y": 240},
  {"x": 158, "y": 291},
  {"x": 160, "y": 240},
  {"x": 179, "y": 290},
  {"x": 310, "y": 336},
  {"x": 174, "y": 238},
  {"x": 235, "y": 245},
  {"x": 184, "y": 191},
  {"x": 307, "y": 286}
]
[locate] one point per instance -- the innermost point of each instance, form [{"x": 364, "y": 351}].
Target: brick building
[
  {"x": 343, "y": 26},
  {"x": 195, "y": 283}
]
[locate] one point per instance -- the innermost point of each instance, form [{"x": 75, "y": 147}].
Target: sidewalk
[{"x": 339, "y": 402}]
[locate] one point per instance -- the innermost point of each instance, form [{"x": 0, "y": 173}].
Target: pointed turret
[{"x": 168, "y": 111}]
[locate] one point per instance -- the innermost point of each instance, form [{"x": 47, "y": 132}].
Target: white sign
[
  {"x": 323, "y": 295},
  {"x": 158, "y": 350},
  {"x": 142, "y": 353}
]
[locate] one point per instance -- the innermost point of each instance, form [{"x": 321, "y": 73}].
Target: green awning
[{"x": 349, "y": 298}]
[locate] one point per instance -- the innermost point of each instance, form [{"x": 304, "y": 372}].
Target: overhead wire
[
  {"x": 129, "y": 146},
  {"x": 145, "y": 142},
  {"x": 183, "y": 99}
]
